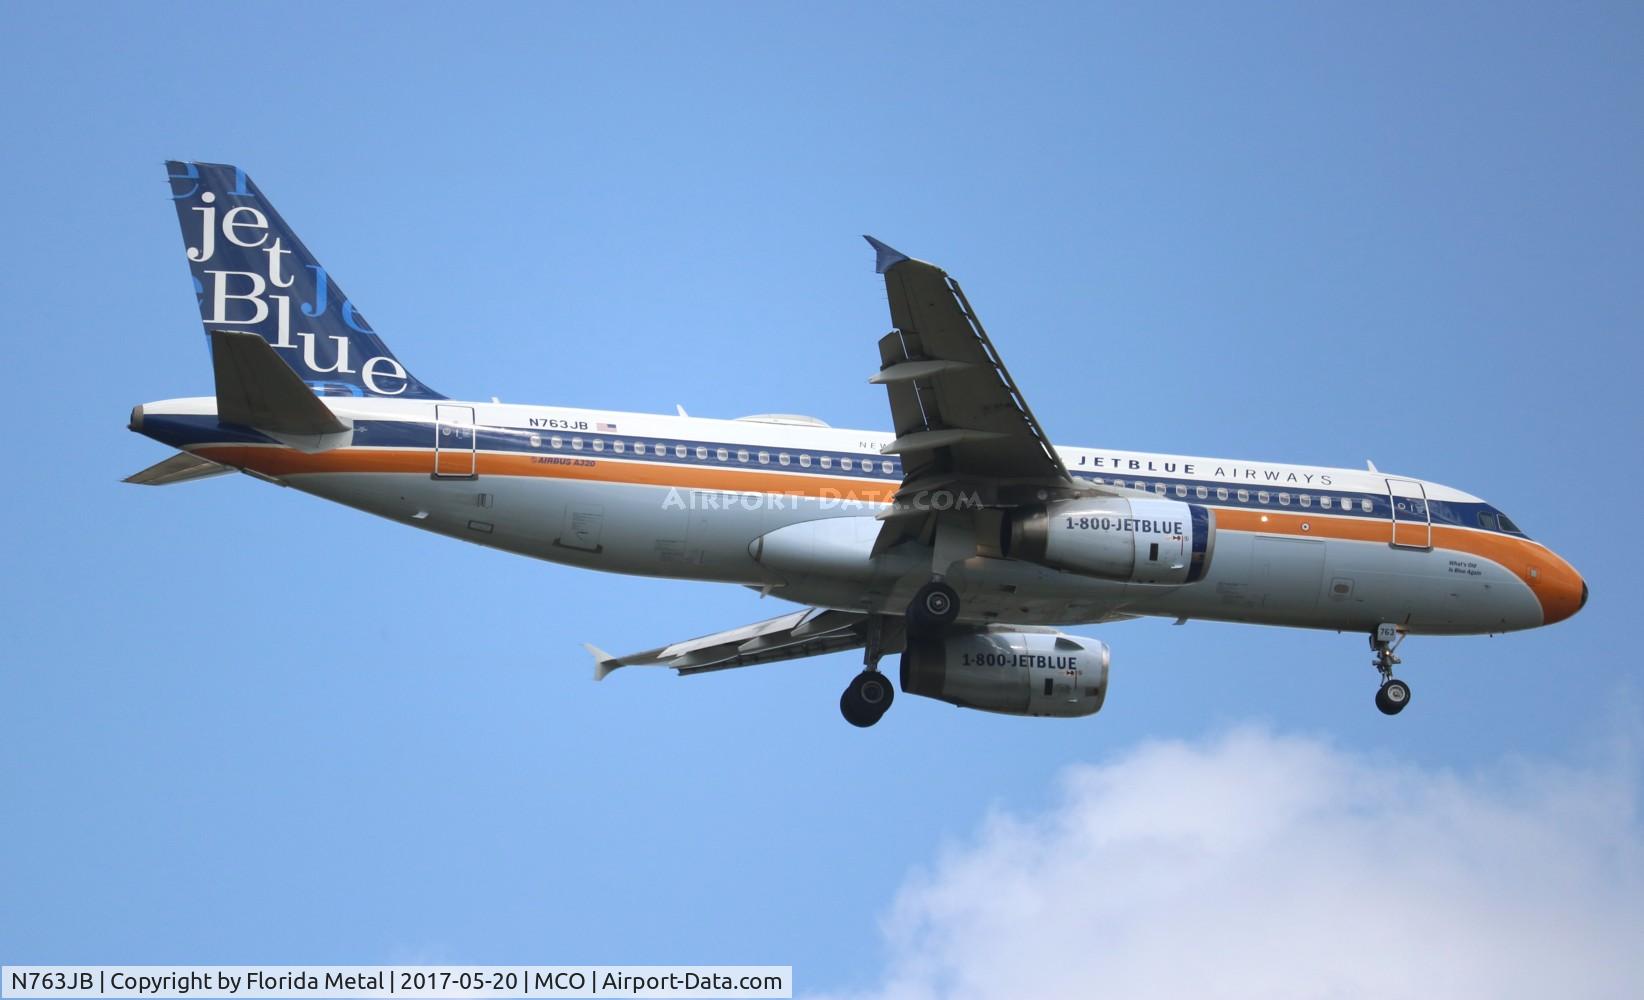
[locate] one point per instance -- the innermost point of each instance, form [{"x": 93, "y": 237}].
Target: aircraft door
[
  {"x": 454, "y": 442},
  {"x": 1412, "y": 521}
]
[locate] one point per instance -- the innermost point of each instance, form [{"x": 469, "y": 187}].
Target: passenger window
[
  {"x": 618, "y": 447},
  {"x": 764, "y": 458},
  {"x": 804, "y": 461},
  {"x": 536, "y": 441},
  {"x": 599, "y": 444},
  {"x": 1365, "y": 506},
  {"x": 1306, "y": 500},
  {"x": 1202, "y": 493},
  {"x": 1159, "y": 488},
  {"x": 1244, "y": 496},
  {"x": 742, "y": 455},
  {"x": 722, "y": 454},
  {"x": 701, "y": 452},
  {"x": 1181, "y": 490},
  {"x": 845, "y": 463},
  {"x": 555, "y": 442},
  {"x": 1284, "y": 499},
  {"x": 1262, "y": 496},
  {"x": 679, "y": 451},
  {"x": 576, "y": 444},
  {"x": 1324, "y": 502},
  {"x": 639, "y": 447},
  {"x": 1221, "y": 493},
  {"x": 782, "y": 458},
  {"x": 825, "y": 461},
  {"x": 886, "y": 467}
]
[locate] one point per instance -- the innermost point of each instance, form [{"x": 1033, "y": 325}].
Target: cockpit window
[
  {"x": 1486, "y": 520},
  {"x": 1508, "y": 525}
]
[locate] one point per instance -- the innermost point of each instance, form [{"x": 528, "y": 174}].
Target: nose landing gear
[{"x": 1393, "y": 694}]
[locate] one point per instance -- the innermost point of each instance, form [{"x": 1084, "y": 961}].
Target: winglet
[
  {"x": 884, "y": 257},
  {"x": 604, "y": 662}
]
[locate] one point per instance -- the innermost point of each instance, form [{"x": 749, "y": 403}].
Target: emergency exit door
[
  {"x": 1412, "y": 521},
  {"x": 453, "y": 442}
]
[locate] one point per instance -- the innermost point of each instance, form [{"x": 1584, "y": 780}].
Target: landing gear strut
[
  {"x": 1393, "y": 694},
  {"x": 934, "y": 607},
  {"x": 870, "y": 693}
]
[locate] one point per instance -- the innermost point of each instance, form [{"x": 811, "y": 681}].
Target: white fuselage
[{"x": 791, "y": 508}]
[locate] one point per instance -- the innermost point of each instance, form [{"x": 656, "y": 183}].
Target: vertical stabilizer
[{"x": 252, "y": 274}]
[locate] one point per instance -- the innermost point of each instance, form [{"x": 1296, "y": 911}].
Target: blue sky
[{"x": 242, "y": 725}]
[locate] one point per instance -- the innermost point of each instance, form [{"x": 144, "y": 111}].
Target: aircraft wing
[
  {"x": 810, "y": 632},
  {"x": 961, "y": 422}
]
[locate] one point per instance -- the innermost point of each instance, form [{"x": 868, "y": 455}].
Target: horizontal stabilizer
[
  {"x": 255, "y": 388},
  {"x": 604, "y": 662},
  {"x": 179, "y": 468},
  {"x": 810, "y": 632}
]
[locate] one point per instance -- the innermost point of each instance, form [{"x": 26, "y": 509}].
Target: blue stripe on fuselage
[{"x": 187, "y": 431}]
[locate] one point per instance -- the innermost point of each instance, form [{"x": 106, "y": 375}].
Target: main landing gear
[
  {"x": 867, "y": 699},
  {"x": 933, "y": 608},
  {"x": 1393, "y": 694},
  {"x": 870, "y": 693}
]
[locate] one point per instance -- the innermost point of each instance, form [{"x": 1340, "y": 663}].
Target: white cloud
[{"x": 1260, "y": 865}]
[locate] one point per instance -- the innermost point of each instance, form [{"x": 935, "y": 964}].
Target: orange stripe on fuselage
[
  {"x": 287, "y": 462},
  {"x": 1554, "y": 582}
]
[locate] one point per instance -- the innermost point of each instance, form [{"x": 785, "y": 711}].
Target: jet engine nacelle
[
  {"x": 1014, "y": 673},
  {"x": 1138, "y": 540}
]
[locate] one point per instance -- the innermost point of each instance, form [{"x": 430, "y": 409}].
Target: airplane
[{"x": 963, "y": 540}]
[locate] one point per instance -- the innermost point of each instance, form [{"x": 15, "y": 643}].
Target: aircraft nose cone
[{"x": 1560, "y": 589}]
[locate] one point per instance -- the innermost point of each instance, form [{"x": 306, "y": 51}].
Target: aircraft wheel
[
  {"x": 934, "y": 608},
  {"x": 1393, "y": 696},
  {"x": 867, "y": 698}
]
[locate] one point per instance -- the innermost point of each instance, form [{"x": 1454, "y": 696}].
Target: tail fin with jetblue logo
[{"x": 252, "y": 274}]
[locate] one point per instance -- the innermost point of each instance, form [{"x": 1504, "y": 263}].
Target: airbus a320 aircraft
[{"x": 960, "y": 541}]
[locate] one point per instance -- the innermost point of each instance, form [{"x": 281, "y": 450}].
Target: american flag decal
[{"x": 604, "y": 427}]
